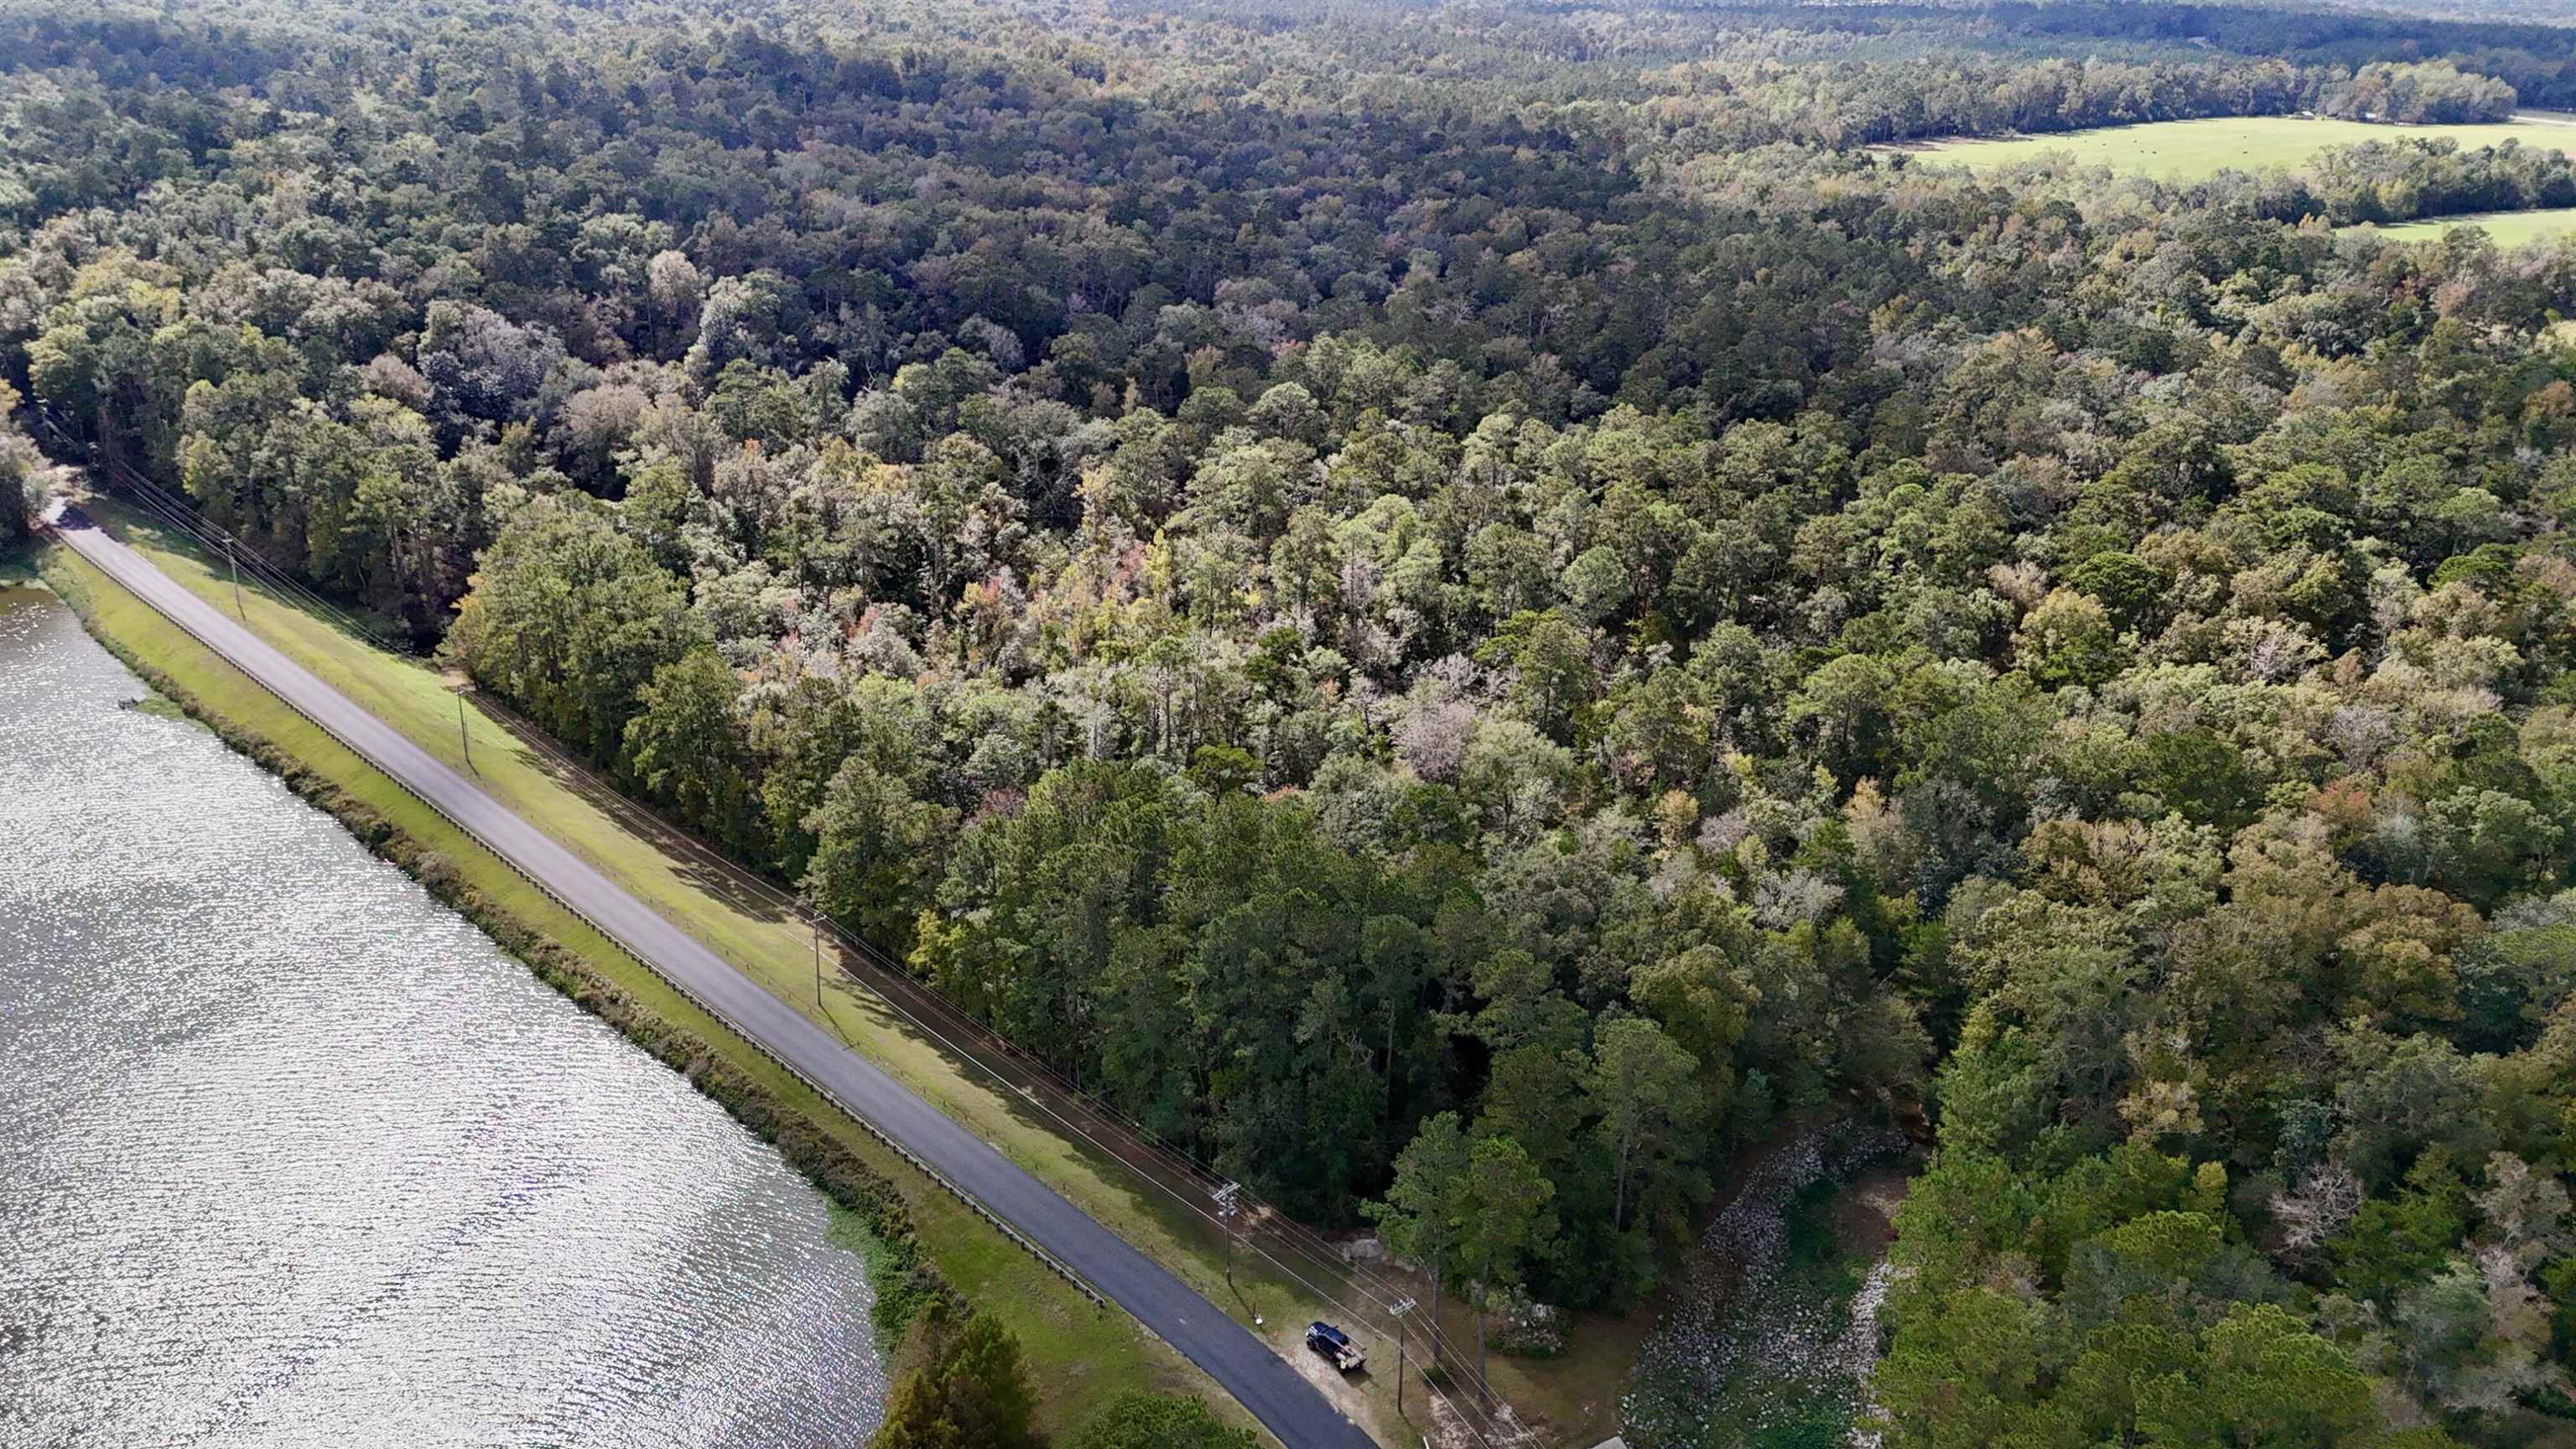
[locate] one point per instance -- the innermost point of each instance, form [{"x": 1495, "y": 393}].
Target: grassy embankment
[
  {"x": 2197, "y": 150},
  {"x": 1574, "y": 1395},
  {"x": 1079, "y": 1356}
]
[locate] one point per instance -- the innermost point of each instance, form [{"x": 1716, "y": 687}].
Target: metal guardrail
[
  {"x": 1052, "y": 1263},
  {"x": 986, "y": 1040}
]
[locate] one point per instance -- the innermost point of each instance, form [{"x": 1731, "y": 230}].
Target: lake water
[{"x": 292, "y": 1155}]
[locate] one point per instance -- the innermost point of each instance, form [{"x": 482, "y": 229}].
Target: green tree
[
  {"x": 568, "y": 619},
  {"x": 1963, "y": 1368},
  {"x": 95, "y": 360},
  {"x": 1423, "y": 1215},
  {"x": 876, "y": 854},
  {"x": 2130, "y": 587},
  {"x": 1506, "y": 1220},
  {"x": 1644, "y": 1092},
  {"x": 2394, "y": 1242},
  {"x": 2485, "y": 843},
  {"x": 2069, "y": 638},
  {"x": 1844, "y": 704},
  {"x": 19, "y": 462},
  {"x": 2264, "y": 1380},
  {"x": 973, "y": 1394},
  {"x": 1552, "y": 670},
  {"x": 685, "y": 746}
]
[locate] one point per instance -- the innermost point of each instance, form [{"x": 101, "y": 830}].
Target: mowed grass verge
[
  {"x": 1079, "y": 1355},
  {"x": 2197, "y": 150},
  {"x": 1575, "y": 1395}
]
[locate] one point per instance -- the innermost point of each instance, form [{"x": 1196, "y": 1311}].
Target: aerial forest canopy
[{"x": 1467, "y": 609}]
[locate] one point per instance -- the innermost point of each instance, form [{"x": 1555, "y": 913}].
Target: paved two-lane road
[{"x": 1245, "y": 1367}]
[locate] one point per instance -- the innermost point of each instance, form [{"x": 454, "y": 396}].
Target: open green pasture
[{"x": 2195, "y": 150}]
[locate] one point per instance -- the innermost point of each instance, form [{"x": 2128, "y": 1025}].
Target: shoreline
[
  {"x": 909, "y": 1289},
  {"x": 1080, "y": 1369}
]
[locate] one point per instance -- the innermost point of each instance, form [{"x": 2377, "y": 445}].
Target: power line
[
  {"x": 1301, "y": 1239},
  {"x": 179, "y": 515},
  {"x": 1231, "y": 1199},
  {"x": 182, "y": 514},
  {"x": 185, "y": 515},
  {"x": 1287, "y": 1234},
  {"x": 1236, "y": 1203}
]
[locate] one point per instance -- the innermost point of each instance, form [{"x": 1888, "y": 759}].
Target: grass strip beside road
[
  {"x": 1574, "y": 1396},
  {"x": 1079, "y": 1356}
]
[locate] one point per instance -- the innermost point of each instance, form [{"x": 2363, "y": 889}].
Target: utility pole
[
  {"x": 818, "y": 963},
  {"x": 1229, "y": 1201},
  {"x": 236, "y": 567},
  {"x": 1397, "y": 1313},
  {"x": 464, "y": 740}
]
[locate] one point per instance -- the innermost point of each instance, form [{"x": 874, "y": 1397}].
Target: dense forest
[{"x": 1465, "y": 609}]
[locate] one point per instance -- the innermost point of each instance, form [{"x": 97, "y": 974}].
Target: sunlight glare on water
[{"x": 291, "y": 1155}]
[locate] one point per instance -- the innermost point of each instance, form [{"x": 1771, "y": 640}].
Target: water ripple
[{"x": 290, "y": 1155}]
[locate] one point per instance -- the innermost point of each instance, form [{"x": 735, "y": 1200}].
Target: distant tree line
[
  {"x": 1464, "y": 645},
  {"x": 2418, "y": 93}
]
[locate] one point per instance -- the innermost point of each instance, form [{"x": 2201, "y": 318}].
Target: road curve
[{"x": 1240, "y": 1363}]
